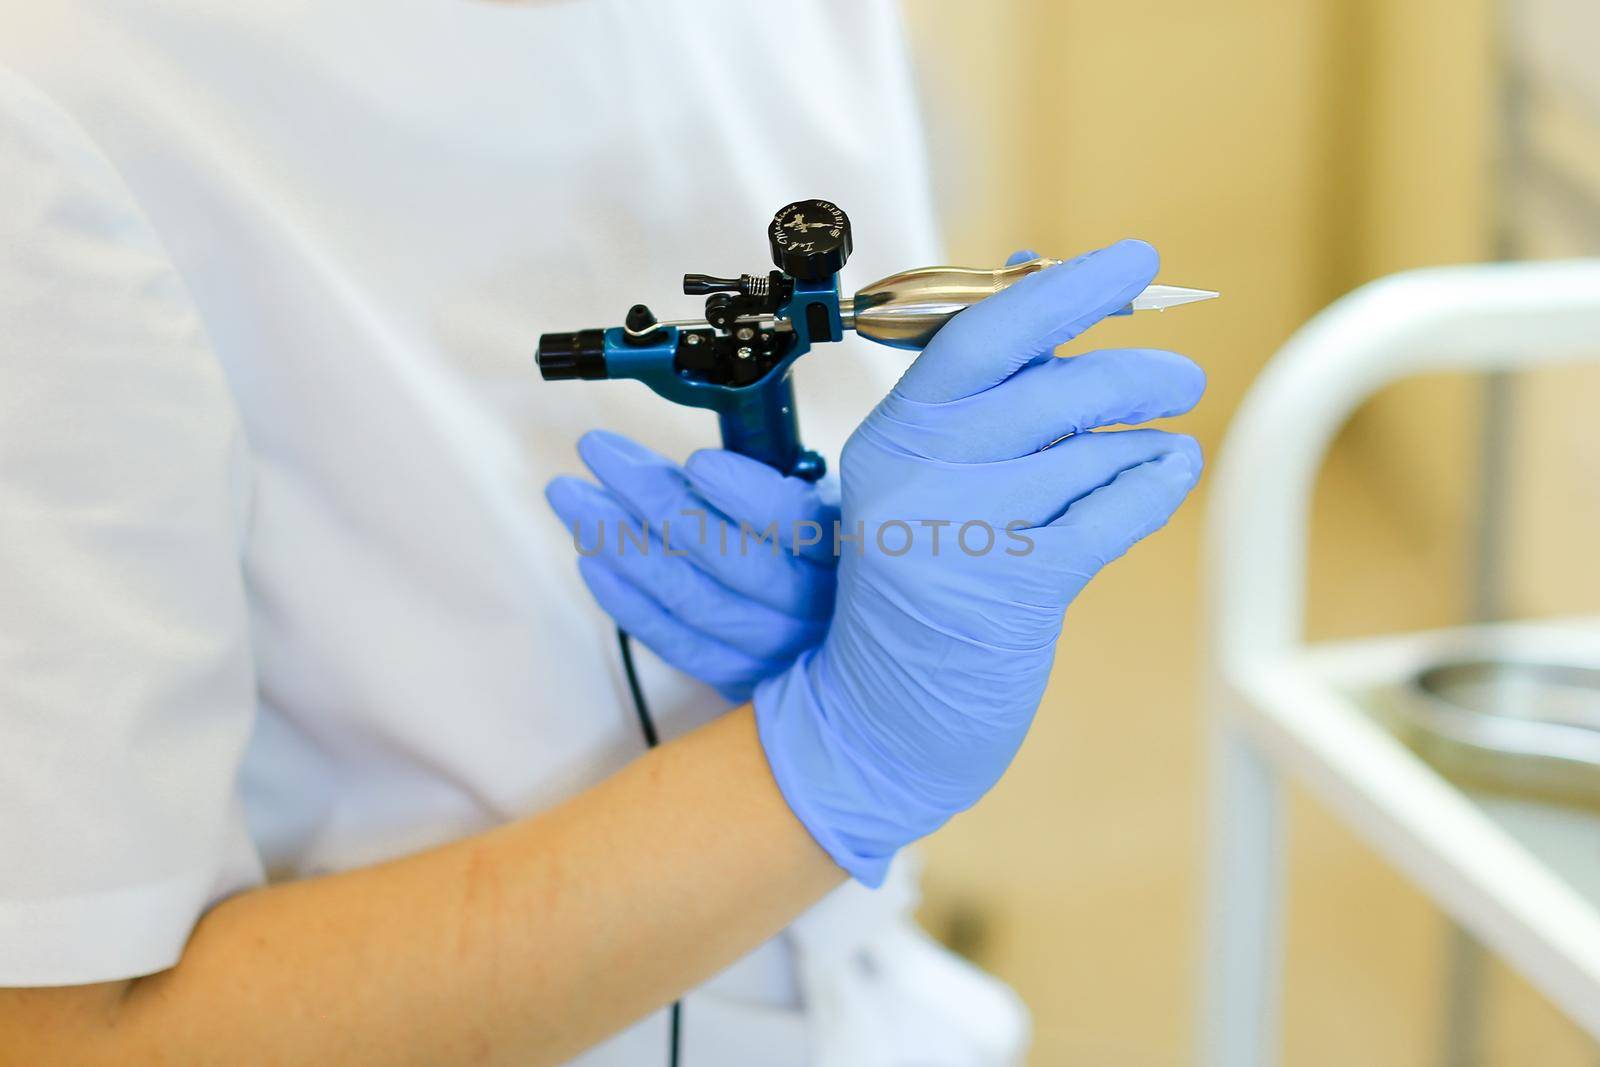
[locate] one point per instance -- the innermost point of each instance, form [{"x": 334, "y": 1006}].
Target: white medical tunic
[{"x": 279, "y": 593}]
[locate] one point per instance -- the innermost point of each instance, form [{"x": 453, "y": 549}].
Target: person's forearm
[{"x": 521, "y": 945}]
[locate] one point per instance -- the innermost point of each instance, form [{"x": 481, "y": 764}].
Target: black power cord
[{"x": 647, "y": 726}]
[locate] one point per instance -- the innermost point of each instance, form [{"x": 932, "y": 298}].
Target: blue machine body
[{"x": 756, "y": 420}]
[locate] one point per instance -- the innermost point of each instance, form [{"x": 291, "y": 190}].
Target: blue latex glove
[
  {"x": 722, "y": 606},
  {"x": 936, "y": 659}
]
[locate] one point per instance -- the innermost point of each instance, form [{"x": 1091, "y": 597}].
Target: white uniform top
[{"x": 279, "y": 593}]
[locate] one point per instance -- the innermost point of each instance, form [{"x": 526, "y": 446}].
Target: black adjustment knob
[
  {"x": 810, "y": 239},
  {"x": 572, "y": 355}
]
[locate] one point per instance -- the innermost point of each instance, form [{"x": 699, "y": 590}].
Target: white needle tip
[{"x": 1161, "y": 297}]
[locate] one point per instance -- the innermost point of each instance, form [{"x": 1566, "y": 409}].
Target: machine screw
[
  {"x": 692, "y": 339},
  {"x": 745, "y": 333},
  {"x": 744, "y": 353}
]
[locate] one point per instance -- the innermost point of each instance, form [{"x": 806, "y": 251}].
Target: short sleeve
[{"x": 126, "y": 687}]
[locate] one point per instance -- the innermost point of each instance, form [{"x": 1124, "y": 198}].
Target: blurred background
[{"x": 1284, "y": 152}]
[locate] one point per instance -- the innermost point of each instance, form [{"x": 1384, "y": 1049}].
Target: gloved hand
[
  {"x": 701, "y": 590},
  {"x": 978, "y": 525}
]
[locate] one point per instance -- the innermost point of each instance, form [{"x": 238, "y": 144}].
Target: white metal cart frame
[{"x": 1279, "y": 707}]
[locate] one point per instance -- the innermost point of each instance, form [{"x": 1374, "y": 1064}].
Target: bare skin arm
[{"x": 522, "y": 945}]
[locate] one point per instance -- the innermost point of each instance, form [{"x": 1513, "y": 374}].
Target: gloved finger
[
  {"x": 693, "y": 597},
  {"x": 990, "y": 341},
  {"x": 748, "y": 561},
  {"x": 1105, "y": 524},
  {"x": 650, "y": 485},
  {"x": 652, "y": 561},
  {"x": 1021, "y": 256},
  {"x": 1047, "y": 484},
  {"x": 1054, "y": 398},
  {"x": 684, "y": 590},
  {"x": 750, "y": 492},
  {"x": 731, "y": 672}
]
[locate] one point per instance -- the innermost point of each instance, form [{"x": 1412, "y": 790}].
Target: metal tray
[{"x": 1521, "y": 727}]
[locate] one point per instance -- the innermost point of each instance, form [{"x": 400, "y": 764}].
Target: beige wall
[{"x": 1282, "y": 151}]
